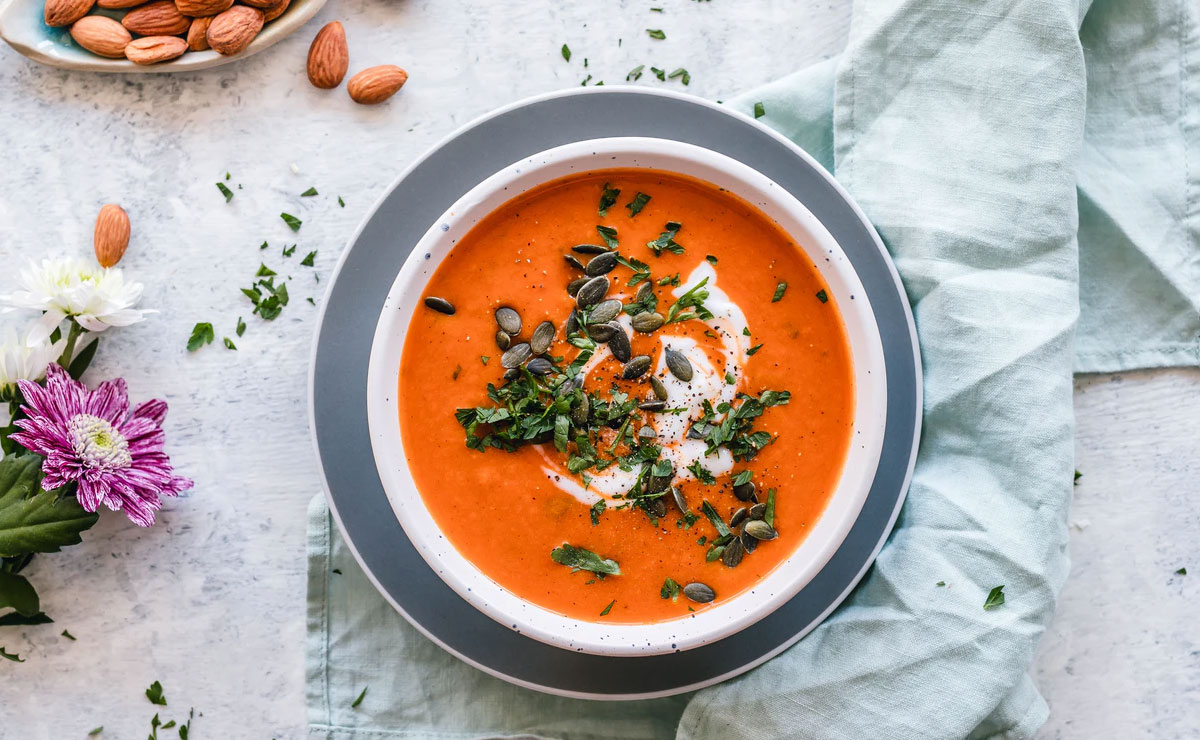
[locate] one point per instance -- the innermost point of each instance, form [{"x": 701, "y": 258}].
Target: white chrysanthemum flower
[
  {"x": 24, "y": 360},
  {"x": 94, "y": 296}
]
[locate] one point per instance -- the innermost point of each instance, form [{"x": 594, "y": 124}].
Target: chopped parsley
[
  {"x": 229, "y": 343},
  {"x": 729, "y": 379},
  {"x": 360, "y": 698},
  {"x": 608, "y": 608},
  {"x": 715, "y": 519},
  {"x": 292, "y": 222},
  {"x": 341, "y": 202},
  {"x": 609, "y": 235},
  {"x": 155, "y": 694},
  {"x": 577, "y": 559},
  {"x": 309, "y": 193},
  {"x": 308, "y": 259},
  {"x": 670, "y": 590},
  {"x": 703, "y": 474},
  {"x": 289, "y": 251},
  {"x": 202, "y": 334},
  {"x": 995, "y": 598},
  {"x": 608, "y": 199},
  {"x": 712, "y": 260},
  {"x": 940, "y": 584},
  {"x": 264, "y": 271},
  {"x": 596, "y": 510},
  {"x": 68, "y": 635},
  {"x": 693, "y": 298},
  {"x": 636, "y": 205},
  {"x": 661, "y": 74},
  {"x": 566, "y": 52},
  {"x": 10, "y": 656},
  {"x": 735, "y": 431},
  {"x": 666, "y": 240},
  {"x": 1078, "y": 475},
  {"x": 759, "y": 110},
  {"x": 1181, "y": 572},
  {"x": 779, "y": 291},
  {"x": 769, "y": 514},
  {"x": 822, "y": 296},
  {"x": 681, "y": 73},
  {"x": 656, "y": 33},
  {"x": 641, "y": 271},
  {"x": 241, "y": 327},
  {"x": 225, "y": 191},
  {"x": 635, "y": 74},
  {"x": 743, "y": 477},
  {"x": 96, "y": 731},
  {"x": 753, "y": 349}
]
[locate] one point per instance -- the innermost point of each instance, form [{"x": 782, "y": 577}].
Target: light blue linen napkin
[{"x": 1036, "y": 179}]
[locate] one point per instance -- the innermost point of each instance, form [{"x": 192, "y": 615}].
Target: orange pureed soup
[{"x": 562, "y": 486}]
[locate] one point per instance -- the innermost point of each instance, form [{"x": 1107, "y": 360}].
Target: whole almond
[
  {"x": 155, "y": 49},
  {"x": 202, "y": 8},
  {"x": 276, "y": 10},
  {"x": 112, "y": 235},
  {"x": 328, "y": 57},
  {"x": 376, "y": 84},
  {"x": 65, "y": 12},
  {"x": 160, "y": 18},
  {"x": 233, "y": 30},
  {"x": 118, "y": 4},
  {"x": 197, "y": 36},
  {"x": 101, "y": 35},
  {"x": 261, "y": 4}
]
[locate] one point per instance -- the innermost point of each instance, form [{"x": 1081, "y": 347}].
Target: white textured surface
[{"x": 210, "y": 601}]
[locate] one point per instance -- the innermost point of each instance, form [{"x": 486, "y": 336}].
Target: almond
[
  {"x": 276, "y": 10},
  {"x": 65, "y": 12},
  {"x": 159, "y": 18},
  {"x": 376, "y": 84},
  {"x": 112, "y": 234},
  {"x": 155, "y": 49},
  {"x": 261, "y": 4},
  {"x": 202, "y": 8},
  {"x": 197, "y": 36},
  {"x": 118, "y": 4},
  {"x": 328, "y": 57},
  {"x": 233, "y": 30},
  {"x": 101, "y": 35}
]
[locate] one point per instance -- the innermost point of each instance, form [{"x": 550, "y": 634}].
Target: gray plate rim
[{"x": 478, "y": 650}]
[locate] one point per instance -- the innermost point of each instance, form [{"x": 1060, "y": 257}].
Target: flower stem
[{"x": 69, "y": 352}]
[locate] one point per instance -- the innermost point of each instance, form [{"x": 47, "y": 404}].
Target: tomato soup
[{"x": 628, "y": 396}]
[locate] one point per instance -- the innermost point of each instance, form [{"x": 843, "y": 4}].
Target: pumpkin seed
[
  {"x": 644, "y": 292},
  {"x": 749, "y": 542},
  {"x": 540, "y": 366},
  {"x": 620, "y": 347},
  {"x": 647, "y": 322},
  {"x": 543, "y": 335},
  {"x": 592, "y": 292},
  {"x": 604, "y": 311},
  {"x": 660, "y": 390},
  {"x": 636, "y": 367},
  {"x": 516, "y": 355},
  {"x": 680, "y": 501},
  {"x": 652, "y": 405},
  {"x": 441, "y": 305},
  {"x": 508, "y": 320},
  {"x": 589, "y": 249},
  {"x": 511, "y": 374},
  {"x": 758, "y": 511},
  {"x": 646, "y": 433},
  {"x": 658, "y": 508},
  {"x": 579, "y": 414},
  {"x": 601, "y": 264},
  {"x": 733, "y": 554},
  {"x": 655, "y": 484},
  {"x": 760, "y": 530},
  {"x": 744, "y": 491},
  {"x": 503, "y": 340},
  {"x": 679, "y": 365},
  {"x": 574, "y": 286},
  {"x": 572, "y": 325},
  {"x": 699, "y": 593},
  {"x": 573, "y": 261},
  {"x": 699, "y": 430},
  {"x": 738, "y": 517},
  {"x": 603, "y": 332}
]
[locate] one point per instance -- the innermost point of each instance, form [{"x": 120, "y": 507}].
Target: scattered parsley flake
[
  {"x": 656, "y": 33},
  {"x": 227, "y": 175},
  {"x": 729, "y": 379},
  {"x": 609, "y": 235},
  {"x": 681, "y": 73},
  {"x": 636, "y": 205},
  {"x": 711, "y": 259},
  {"x": 484, "y": 359},
  {"x": 670, "y": 590},
  {"x": 656, "y": 10},
  {"x": 229, "y": 343},
  {"x": 1078, "y": 475},
  {"x": 608, "y": 199},
  {"x": 341, "y": 202},
  {"x": 822, "y": 296},
  {"x": 11, "y": 656},
  {"x": 241, "y": 327},
  {"x": 753, "y": 349},
  {"x": 759, "y": 110},
  {"x": 202, "y": 334},
  {"x": 596, "y": 510},
  {"x": 96, "y": 731},
  {"x": 68, "y": 635},
  {"x": 746, "y": 331},
  {"x": 703, "y": 474},
  {"x": 635, "y": 74},
  {"x": 359, "y": 700},
  {"x": 566, "y": 52},
  {"x": 661, "y": 74},
  {"x": 292, "y": 222},
  {"x": 608, "y": 608},
  {"x": 225, "y": 191},
  {"x": 779, "y": 291},
  {"x": 155, "y": 694},
  {"x": 264, "y": 271},
  {"x": 666, "y": 240},
  {"x": 309, "y": 193},
  {"x": 308, "y": 259},
  {"x": 577, "y": 558},
  {"x": 940, "y": 583},
  {"x": 1181, "y": 572},
  {"x": 995, "y": 598},
  {"x": 289, "y": 251}
]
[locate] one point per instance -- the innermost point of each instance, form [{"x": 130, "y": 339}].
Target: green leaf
[
  {"x": 656, "y": 33},
  {"x": 596, "y": 510},
  {"x": 995, "y": 598},
  {"x": 360, "y": 698},
  {"x": 743, "y": 477},
  {"x": 822, "y": 296},
  {"x": 577, "y": 558},
  {"x": 608, "y": 608},
  {"x": 341, "y": 202},
  {"x": 635, "y": 73},
  {"x": 225, "y": 191},
  {"x": 16, "y": 592},
  {"x": 68, "y": 635},
  {"x": 715, "y": 519},
  {"x": 11, "y": 656},
  {"x": 670, "y": 589},
  {"x": 1181, "y": 572},
  {"x": 13, "y": 619},
  {"x": 940, "y": 584},
  {"x": 759, "y": 110},
  {"x": 155, "y": 694},
  {"x": 292, "y": 222},
  {"x": 769, "y": 514},
  {"x": 202, "y": 334},
  {"x": 229, "y": 343},
  {"x": 308, "y": 258},
  {"x": 82, "y": 360},
  {"x": 608, "y": 199},
  {"x": 666, "y": 240},
  {"x": 32, "y": 520},
  {"x": 640, "y": 200},
  {"x": 609, "y": 235},
  {"x": 308, "y": 193},
  {"x": 241, "y": 326},
  {"x": 779, "y": 291},
  {"x": 96, "y": 731},
  {"x": 566, "y": 52},
  {"x": 681, "y": 73}
]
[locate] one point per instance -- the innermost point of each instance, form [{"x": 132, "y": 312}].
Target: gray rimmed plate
[{"x": 342, "y": 347}]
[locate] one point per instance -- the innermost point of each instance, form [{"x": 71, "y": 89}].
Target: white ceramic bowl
[
  {"x": 705, "y": 625},
  {"x": 22, "y": 26}
]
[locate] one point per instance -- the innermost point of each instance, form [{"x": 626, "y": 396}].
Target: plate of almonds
[{"x": 148, "y": 35}]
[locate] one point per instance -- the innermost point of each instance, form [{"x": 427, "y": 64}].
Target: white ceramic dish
[
  {"x": 706, "y": 625},
  {"x": 22, "y": 26}
]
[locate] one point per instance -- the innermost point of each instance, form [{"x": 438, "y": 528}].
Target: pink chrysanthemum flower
[{"x": 91, "y": 438}]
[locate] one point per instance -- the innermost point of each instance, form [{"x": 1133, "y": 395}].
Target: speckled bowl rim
[
  {"x": 337, "y": 387},
  {"x": 21, "y": 25},
  {"x": 705, "y": 624}
]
